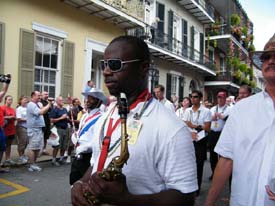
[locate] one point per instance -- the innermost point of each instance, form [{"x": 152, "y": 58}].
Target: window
[
  {"x": 211, "y": 54},
  {"x": 46, "y": 64},
  {"x": 222, "y": 66},
  {"x": 174, "y": 85}
]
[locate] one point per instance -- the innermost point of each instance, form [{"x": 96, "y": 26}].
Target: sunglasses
[
  {"x": 267, "y": 56},
  {"x": 115, "y": 65},
  {"x": 194, "y": 96}
]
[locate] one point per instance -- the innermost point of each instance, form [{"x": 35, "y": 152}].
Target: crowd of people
[{"x": 168, "y": 141}]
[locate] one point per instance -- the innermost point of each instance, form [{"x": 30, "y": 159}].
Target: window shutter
[
  {"x": 170, "y": 29},
  {"x": 2, "y": 46},
  {"x": 67, "y": 69},
  {"x": 26, "y": 63},
  {"x": 181, "y": 87},
  {"x": 184, "y": 28},
  {"x": 192, "y": 51},
  {"x": 201, "y": 47},
  {"x": 168, "y": 86}
]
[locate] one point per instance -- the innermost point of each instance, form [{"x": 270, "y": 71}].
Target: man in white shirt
[
  {"x": 159, "y": 93},
  {"x": 83, "y": 142},
  {"x": 247, "y": 144},
  {"x": 198, "y": 119},
  {"x": 161, "y": 165},
  {"x": 219, "y": 114}
]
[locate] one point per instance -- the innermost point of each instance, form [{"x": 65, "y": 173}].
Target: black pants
[
  {"x": 79, "y": 167},
  {"x": 213, "y": 138},
  {"x": 200, "y": 151}
]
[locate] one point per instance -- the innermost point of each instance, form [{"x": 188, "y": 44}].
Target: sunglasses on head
[
  {"x": 115, "y": 65},
  {"x": 267, "y": 56}
]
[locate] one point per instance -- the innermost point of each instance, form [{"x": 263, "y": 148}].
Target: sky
[{"x": 262, "y": 14}]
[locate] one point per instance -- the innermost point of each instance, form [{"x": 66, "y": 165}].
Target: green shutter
[
  {"x": 26, "y": 63},
  {"x": 2, "y": 44},
  {"x": 168, "y": 86},
  {"x": 192, "y": 43},
  {"x": 181, "y": 87},
  {"x": 170, "y": 28},
  {"x": 67, "y": 69}
]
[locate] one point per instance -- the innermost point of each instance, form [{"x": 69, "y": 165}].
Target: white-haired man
[{"x": 247, "y": 144}]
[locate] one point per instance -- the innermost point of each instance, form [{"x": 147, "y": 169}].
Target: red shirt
[
  {"x": 10, "y": 128},
  {"x": 1, "y": 117}
]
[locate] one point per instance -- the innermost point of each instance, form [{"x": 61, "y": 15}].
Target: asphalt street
[{"x": 51, "y": 188}]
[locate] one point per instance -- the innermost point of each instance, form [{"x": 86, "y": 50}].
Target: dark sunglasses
[
  {"x": 267, "y": 56},
  {"x": 115, "y": 65},
  {"x": 194, "y": 96}
]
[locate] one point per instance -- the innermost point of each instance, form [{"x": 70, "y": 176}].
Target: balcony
[
  {"x": 124, "y": 14},
  {"x": 220, "y": 33},
  {"x": 222, "y": 78},
  {"x": 203, "y": 11},
  {"x": 166, "y": 47}
]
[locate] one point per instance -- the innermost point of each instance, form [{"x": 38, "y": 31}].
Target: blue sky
[{"x": 262, "y": 14}]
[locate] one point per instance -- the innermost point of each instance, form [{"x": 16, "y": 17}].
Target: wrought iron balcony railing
[
  {"x": 207, "y": 7},
  {"x": 133, "y": 8},
  {"x": 168, "y": 43}
]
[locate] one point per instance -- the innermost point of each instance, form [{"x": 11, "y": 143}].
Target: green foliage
[
  {"x": 245, "y": 30},
  {"x": 251, "y": 48},
  {"x": 235, "y": 20},
  {"x": 252, "y": 84},
  {"x": 243, "y": 68},
  {"x": 235, "y": 62},
  {"x": 238, "y": 74}
]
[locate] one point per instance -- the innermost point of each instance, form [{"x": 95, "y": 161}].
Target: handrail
[{"x": 173, "y": 45}]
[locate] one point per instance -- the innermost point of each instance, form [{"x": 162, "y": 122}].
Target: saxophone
[{"x": 114, "y": 169}]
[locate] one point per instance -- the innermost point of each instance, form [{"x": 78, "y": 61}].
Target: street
[{"x": 51, "y": 188}]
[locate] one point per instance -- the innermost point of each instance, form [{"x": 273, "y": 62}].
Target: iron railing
[
  {"x": 207, "y": 7},
  {"x": 133, "y": 8},
  {"x": 173, "y": 45}
]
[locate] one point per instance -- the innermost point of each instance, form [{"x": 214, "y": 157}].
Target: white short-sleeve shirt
[
  {"x": 199, "y": 117},
  {"x": 248, "y": 138},
  {"x": 162, "y": 157}
]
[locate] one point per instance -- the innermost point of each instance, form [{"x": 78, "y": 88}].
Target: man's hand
[
  {"x": 77, "y": 192},
  {"x": 111, "y": 192},
  {"x": 271, "y": 194},
  {"x": 194, "y": 136}
]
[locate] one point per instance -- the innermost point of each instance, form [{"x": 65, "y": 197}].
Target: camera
[
  {"x": 50, "y": 99},
  {"x": 5, "y": 78}
]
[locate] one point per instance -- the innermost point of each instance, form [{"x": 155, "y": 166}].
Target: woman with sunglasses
[{"x": 161, "y": 167}]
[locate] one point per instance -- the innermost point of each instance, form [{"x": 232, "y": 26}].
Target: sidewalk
[{"x": 42, "y": 158}]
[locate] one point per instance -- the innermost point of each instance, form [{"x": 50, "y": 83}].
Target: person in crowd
[
  {"x": 198, "y": 119},
  {"x": 47, "y": 128},
  {"x": 159, "y": 93},
  {"x": 247, "y": 144},
  {"x": 21, "y": 129},
  {"x": 219, "y": 113},
  {"x": 59, "y": 118},
  {"x": 90, "y": 84},
  {"x": 244, "y": 92},
  {"x": 81, "y": 163},
  {"x": 154, "y": 28},
  {"x": 156, "y": 170},
  {"x": 74, "y": 109},
  {"x": 207, "y": 104},
  {"x": 35, "y": 124},
  {"x": 9, "y": 127},
  {"x": 6, "y": 82},
  {"x": 185, "y": 103}
]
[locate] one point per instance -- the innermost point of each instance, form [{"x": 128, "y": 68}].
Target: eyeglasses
[
  {"x": 115, "y": 65},
  {"x": 194, "y": 96},
  {"x": 267, "y": 56}
]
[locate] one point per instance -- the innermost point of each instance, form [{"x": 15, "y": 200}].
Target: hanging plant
[{"x": 235, "y": 20}]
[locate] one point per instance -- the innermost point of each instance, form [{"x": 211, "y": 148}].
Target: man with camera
[
  {"x": 6, "y": 79},
  {"x": 35, "y": 124}
]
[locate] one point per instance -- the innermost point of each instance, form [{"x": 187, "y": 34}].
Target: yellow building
[{"x": 56, "y": 45}]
